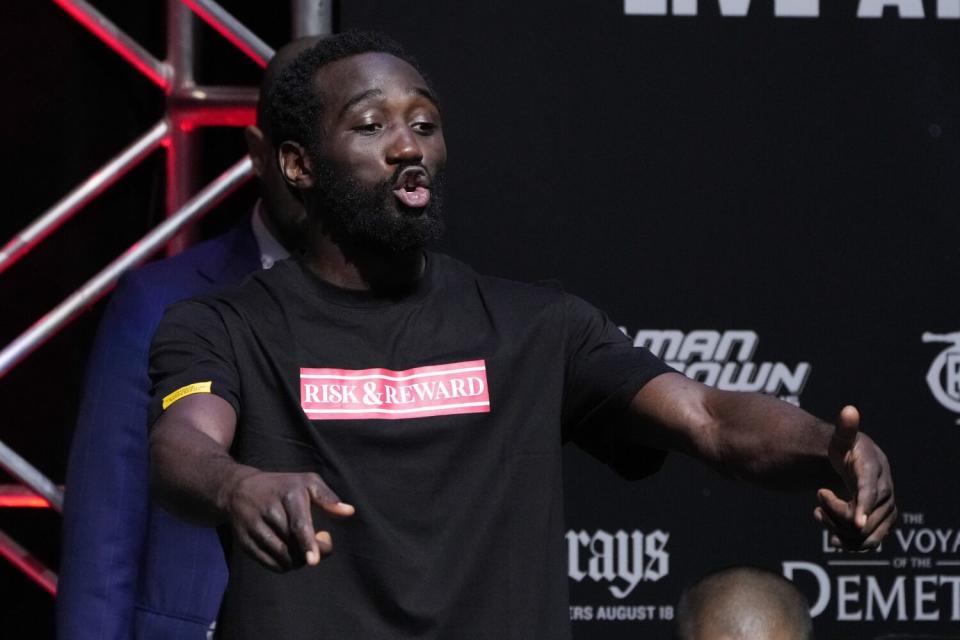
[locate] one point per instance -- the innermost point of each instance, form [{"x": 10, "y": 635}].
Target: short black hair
[
  {"x": 283, "y": 57},
  {"x": 294, "y": 105}
]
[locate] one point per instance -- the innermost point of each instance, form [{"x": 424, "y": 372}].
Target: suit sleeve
[
  {"x": 603, "y": 373},
  {"x": 106, "y": 496}
]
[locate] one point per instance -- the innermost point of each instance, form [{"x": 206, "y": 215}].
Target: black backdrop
[{"x": 796, "y": 178}]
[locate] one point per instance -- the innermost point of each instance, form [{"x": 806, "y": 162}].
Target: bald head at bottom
[{"x": 743, "y": 603}]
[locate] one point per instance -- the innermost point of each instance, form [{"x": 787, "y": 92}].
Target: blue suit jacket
[{"x": 128, "y": 568}]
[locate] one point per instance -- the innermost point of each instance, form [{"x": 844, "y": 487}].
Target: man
[
  {"x": 743, "y": 603},
  {"x": 128, "y": 568},
  {"x": 415, "y": 410}
]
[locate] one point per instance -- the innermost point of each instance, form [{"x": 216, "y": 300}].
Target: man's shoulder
[
  {"x": 254, "y": 291},
  {"x": 537, "y": 291},
  {"x": 142, "y": 294},
  {"x": 285, "y": 279},
  {"x": 211, "y": 252}
]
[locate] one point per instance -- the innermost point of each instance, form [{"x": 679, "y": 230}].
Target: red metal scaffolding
[{"x": 188, "y": 107}]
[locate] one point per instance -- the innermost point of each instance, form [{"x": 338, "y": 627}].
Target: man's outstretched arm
[
  {"x": 773, "y": 443},
  {"x": 193, "y": 475}
]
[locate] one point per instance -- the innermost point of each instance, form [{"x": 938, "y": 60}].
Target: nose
[{"x": 404, "y": 147}]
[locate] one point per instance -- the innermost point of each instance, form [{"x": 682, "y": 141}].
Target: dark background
[{"x": 794, "y": 177}]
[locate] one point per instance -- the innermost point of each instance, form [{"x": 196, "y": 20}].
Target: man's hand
[
  {"x": 193, "y": 475},
  {"x": 864, "y": 520},
  {"x": 271, "y": 518}
]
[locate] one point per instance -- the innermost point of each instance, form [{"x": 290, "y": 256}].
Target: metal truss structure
[{"x": 188, "y": 107}]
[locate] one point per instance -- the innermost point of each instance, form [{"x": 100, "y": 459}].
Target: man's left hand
[{"x": 863, "y": 521}]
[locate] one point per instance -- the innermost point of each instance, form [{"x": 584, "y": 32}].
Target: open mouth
[{"x": 412, "y": 187}]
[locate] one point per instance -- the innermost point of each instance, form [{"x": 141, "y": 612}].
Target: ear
[
  {"x": 295, "y": 165},
  {"x": 258, "y": 148}
]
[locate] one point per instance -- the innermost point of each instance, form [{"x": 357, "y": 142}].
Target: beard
[{"x": 357, "y": 215}]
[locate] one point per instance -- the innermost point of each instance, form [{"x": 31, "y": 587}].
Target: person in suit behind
[
  {"x": 743, "y": 603},
  {"x": 128, "y": 568}
]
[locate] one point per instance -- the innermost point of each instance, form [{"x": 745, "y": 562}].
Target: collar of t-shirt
[
  {"x": 271, "y": 250},
  {"x": 302, "y": 278}
]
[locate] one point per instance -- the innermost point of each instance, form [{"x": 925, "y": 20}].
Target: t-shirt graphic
[{"x": 437, "y": 390}]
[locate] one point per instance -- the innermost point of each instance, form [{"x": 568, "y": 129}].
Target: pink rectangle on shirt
[{"x": 364, "y": 394}]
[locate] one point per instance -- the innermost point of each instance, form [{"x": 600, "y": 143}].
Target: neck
[
  {"x": 290, "y": 244},
  {"x": 364, "y": 268}
]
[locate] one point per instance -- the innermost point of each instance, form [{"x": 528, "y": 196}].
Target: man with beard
[{"x": 436, "y": 400}]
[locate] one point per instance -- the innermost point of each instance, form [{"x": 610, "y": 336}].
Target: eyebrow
[
  {"x": 429, "y": 95},
  {"x": 370, "y": 93},
  {"x": 360, "y": 97}
]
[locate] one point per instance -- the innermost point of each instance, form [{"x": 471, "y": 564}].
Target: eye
[
  {"x": 369, "y": 128},
  {"x": 425, "y": 127}
]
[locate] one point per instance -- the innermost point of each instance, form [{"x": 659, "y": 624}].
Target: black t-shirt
[{"x": 440, "y": 415}]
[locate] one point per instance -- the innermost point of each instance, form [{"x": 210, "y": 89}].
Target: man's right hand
[
  {"x": 193, "y": 475},
  {"x": 271, "y": 518}
]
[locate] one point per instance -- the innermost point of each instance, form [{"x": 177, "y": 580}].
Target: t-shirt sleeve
[
  {"x": 191, "y": 353},
  {"x": 603, "y": 373}
]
